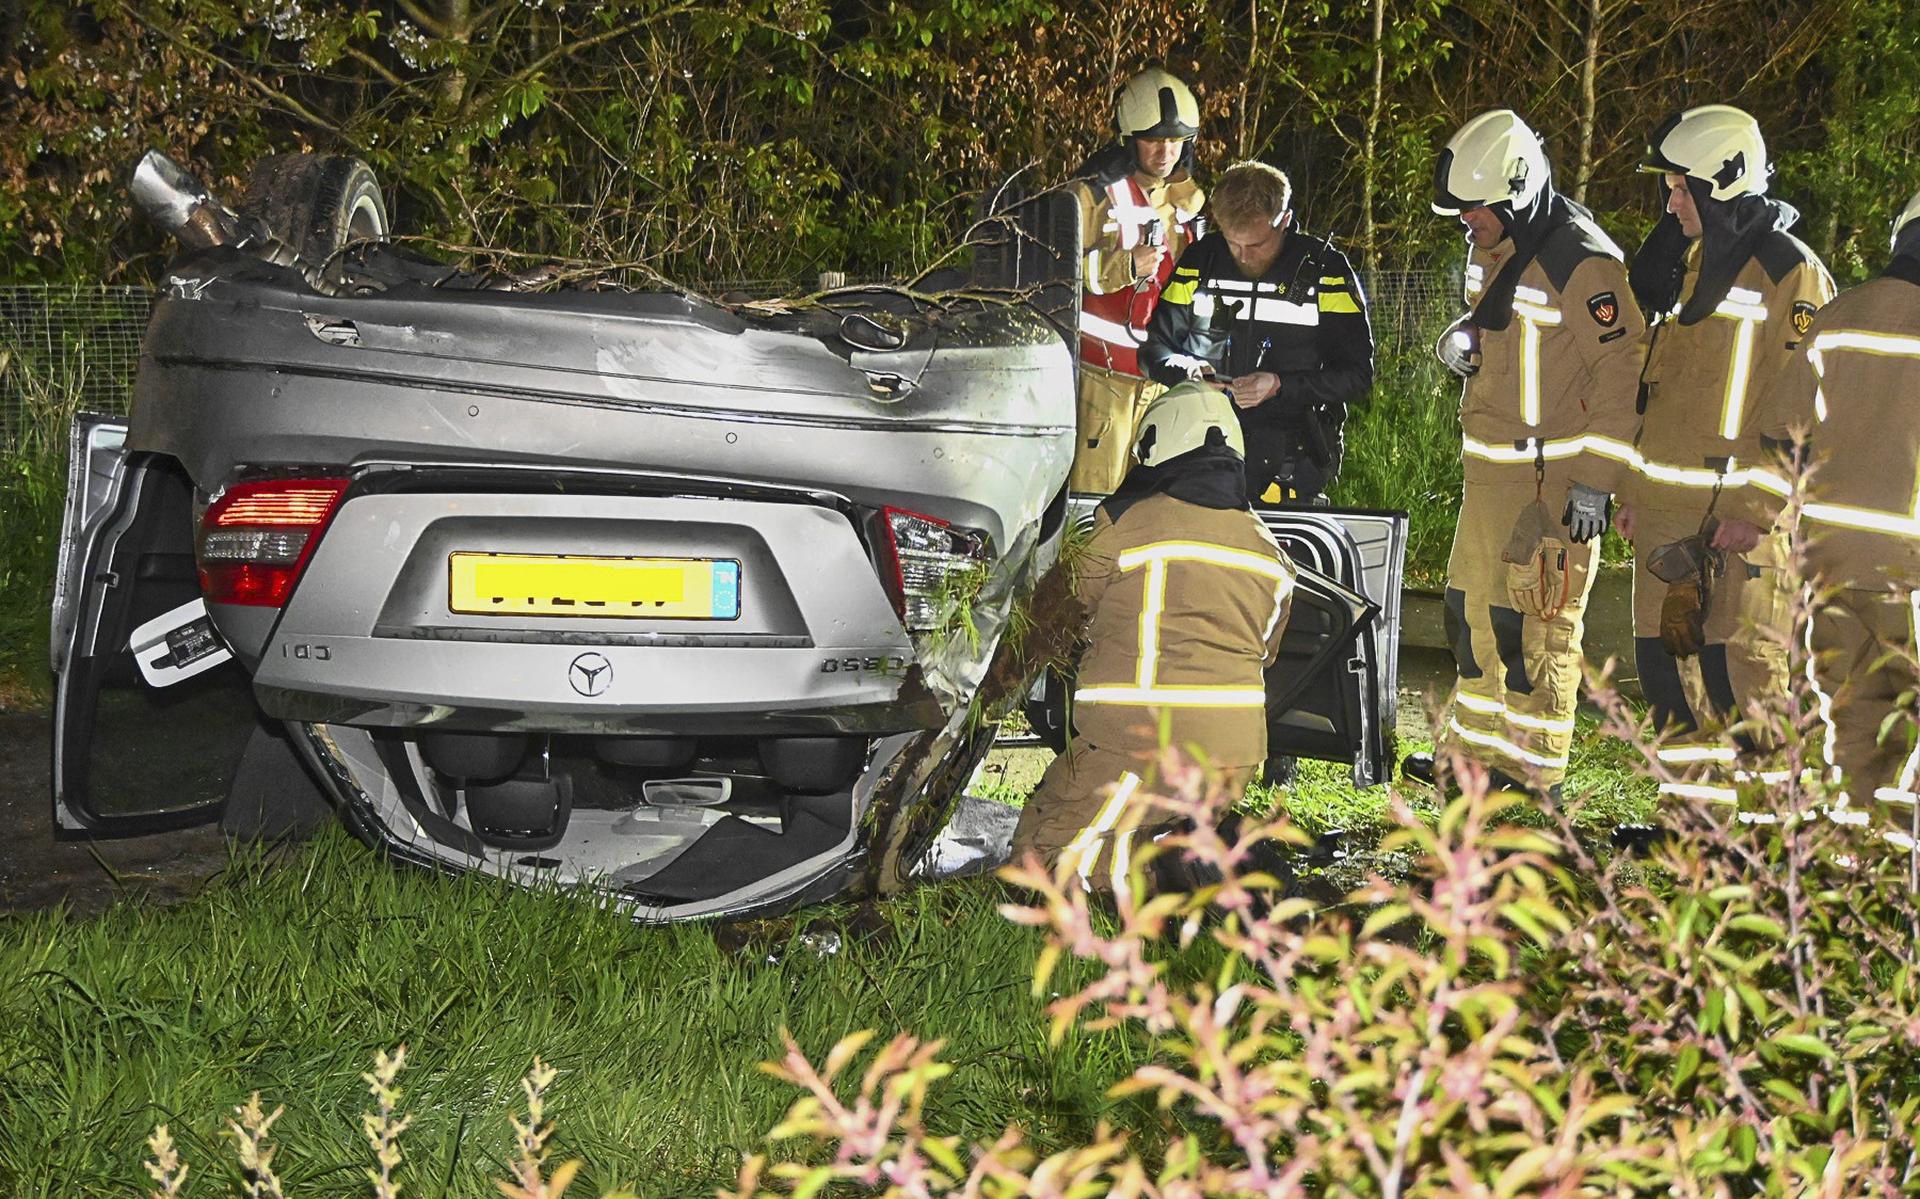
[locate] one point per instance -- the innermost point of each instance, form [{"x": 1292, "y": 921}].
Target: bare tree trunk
[
  {"x": 1589, "y": 64},
  {"x": 1369, "y": 166},
  {"x": 1249, "y": 120}
]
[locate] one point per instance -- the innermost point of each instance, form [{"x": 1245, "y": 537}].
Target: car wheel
[{"x": 317, "y": 203}]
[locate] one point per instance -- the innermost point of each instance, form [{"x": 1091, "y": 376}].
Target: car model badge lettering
[{"x": 590, "y": 674}]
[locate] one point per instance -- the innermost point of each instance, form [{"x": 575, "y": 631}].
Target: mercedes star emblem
[{"x": 590, "y": 674}]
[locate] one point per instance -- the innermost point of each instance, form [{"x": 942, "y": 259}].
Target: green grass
[
  {"x": 288, "y": 980},
  {"x": 43, "y": 397},
  {"x": 287, "y": 976}
]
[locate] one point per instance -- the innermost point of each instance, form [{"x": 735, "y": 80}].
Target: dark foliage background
[{"x": 777, "y": 138}]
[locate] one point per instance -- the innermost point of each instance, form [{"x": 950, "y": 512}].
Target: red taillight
[
  {"x": 928, "y": 556},
  {"x": 256, "y": 538}
]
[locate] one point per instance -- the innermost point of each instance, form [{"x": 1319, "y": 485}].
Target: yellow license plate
[{"x": 574, "y": 585}]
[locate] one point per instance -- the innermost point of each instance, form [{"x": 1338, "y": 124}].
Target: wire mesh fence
[{"x": 66, "y": 349}]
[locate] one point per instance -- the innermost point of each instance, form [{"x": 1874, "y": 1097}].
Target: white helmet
[
  {"x": 1155, "y": 103},
  {"x": 1494, "y": 158},
  {"x": 1907, "y": 216},
  {"x": 1176, "y": 422},
  {"x": 1717, "y": 144}
]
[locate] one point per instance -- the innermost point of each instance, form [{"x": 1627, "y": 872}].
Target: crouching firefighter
[
  {"x": 1849, "y": 392},
  {"x": 1139, "y": 209},
  {"x": 1730, "y": 293},
  {"x": 1551, "y": 361},
  {"x": 1184, "y": 594}
]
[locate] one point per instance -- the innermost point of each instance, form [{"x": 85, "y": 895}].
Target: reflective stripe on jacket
[
  {"x": 1702, "y": 382},
  {"x": 1304, "y": 319},
  {"x": 1561, "y": 379},
  {"x": 1113, "y": 311},
  {"x": 1187, "y": 607},
  {"x": 1852, "y": 386}
]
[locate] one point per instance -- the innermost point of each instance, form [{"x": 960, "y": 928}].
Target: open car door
[
  {"x": 1332, "y": 693},
  {"x": 151, "y": 713}
]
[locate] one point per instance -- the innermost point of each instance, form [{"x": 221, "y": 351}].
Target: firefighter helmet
[
  {"x": 1155, "y": 103},
  {"x": 1717, "y": 144},
  {"x": 1907, "y": 216},
  {"x": 1178, "y": 419},
  {"x": 1493, "y": 159}
]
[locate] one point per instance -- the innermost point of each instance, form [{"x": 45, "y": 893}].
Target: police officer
[
  {"x": 1849, "y": 390},
  {"x": 1185, "y": 595},
  {"x": 1729, "y": 292},
  {"x": 1139, "y": 209},
  {"x": 1551, "y": 360},
  {"x": 1277, "y": 316}
]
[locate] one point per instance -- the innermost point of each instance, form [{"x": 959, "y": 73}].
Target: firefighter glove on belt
[
  {"x": 1588, "y": 512},
  {"x": 1459, "y": 348},
  {"x": 1688, "y": 567},
  {"x": 1536, "y": 564},
  {"x": 1683, "y": 619}
]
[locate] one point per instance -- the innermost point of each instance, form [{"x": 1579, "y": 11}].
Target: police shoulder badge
[
  {"x": 1802, "y": 317},
  {"x": 1605, "y": 307}
]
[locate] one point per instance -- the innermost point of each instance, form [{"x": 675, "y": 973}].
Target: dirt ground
[{"x": 38, "y": 871}]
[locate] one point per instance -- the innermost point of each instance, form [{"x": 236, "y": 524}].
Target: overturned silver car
[{"x": 683, "y": 601}]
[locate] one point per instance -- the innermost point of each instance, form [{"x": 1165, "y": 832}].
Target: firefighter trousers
[
  {"x": 1090, "y": 812},
  {"x": 1109, "y": 411},
  {"x": 1519, "y": 673},
  {"x": 1744, "y": 657},
  {"x": 1863, "y": 647}
]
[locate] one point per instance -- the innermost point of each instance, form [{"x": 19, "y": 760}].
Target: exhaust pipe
[
  {"x": 178, "y": 204},
  {"x": 165, "y": 193}
]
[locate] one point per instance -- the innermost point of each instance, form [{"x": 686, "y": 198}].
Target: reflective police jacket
[
  {"x": 1187, "y": 607},
  {"x": 1702, "y": 381},
  {"x": 1305, "y": 320},
  {"x": 1115, "y": 216},
  {"x": 1852, "y": 386},
  {"x": 1560, "y": 381}
]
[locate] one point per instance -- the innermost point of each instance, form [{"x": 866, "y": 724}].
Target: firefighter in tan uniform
[
  {"x": 1140, "y": 208},
  {"x": 1851, "y": 389},
  {"x": 1186, "y": 595},
  {"x": 1551, "y": 360},
  {"x": 1730, "y": 293}
]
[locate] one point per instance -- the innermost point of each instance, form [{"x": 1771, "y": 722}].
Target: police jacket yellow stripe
[{"x": 1304, "y": 319}]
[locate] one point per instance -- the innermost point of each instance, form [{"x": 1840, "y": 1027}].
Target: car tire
[
  {"x": 272, "y": 796},
  {"x": 813, "y": 765},
  {"x": 316, "y": 203}
]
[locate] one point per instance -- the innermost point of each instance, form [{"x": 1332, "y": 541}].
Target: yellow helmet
[
  {"x": 1177, "y": 420},
  {"x": 1493, "y": 159},
  {"x": 1155, "y": 103},
  {"x": 1717, "y": 144}
]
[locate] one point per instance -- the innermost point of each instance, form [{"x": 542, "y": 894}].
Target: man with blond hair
[{"x": 1276, "y": 318}]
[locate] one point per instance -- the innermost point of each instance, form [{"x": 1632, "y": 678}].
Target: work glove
[
  {"x": 1459, "y": 348},
  {"x": 1536, "y": 565},
  {"x": 1683, "y": 618},
  {"x": 1588, "y": 513}
]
